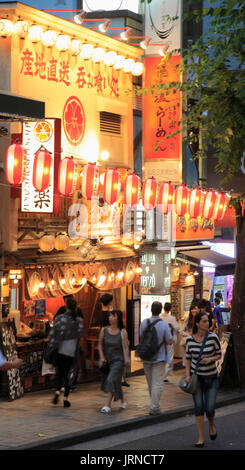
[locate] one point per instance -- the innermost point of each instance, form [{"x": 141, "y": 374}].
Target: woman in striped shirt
[{"x": 205, "y": 397}]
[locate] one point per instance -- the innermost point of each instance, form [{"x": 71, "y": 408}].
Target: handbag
[
  {"x": 191, "y": 387},
  {"x": 50, "y": 356}
]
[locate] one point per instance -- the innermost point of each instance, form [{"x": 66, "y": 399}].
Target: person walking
[
  {"x": 64, "y": 339},
  {"x": 155, "y": 369},
  {"x": 174, "y": 328},
  {"x": 113, "y": 348},
  {"x": 188, "y": 326},
  {"x": 216, "y": 311},
  {"x": 205, "y": 396},
  {"x": 107, "y": 306}
]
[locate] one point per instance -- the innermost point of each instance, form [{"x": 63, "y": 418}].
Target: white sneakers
[
  {"x": 107, "y": 409},
  {"x": 124, "y": 405}
]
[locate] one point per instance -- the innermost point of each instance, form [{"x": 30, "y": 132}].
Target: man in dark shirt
[{"x": 106, "y": 301}]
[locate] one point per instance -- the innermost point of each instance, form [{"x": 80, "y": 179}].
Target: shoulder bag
[{"x": 191, "y": 387}]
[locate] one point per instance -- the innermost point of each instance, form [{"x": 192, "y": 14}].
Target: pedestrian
[
  {"x": 205, "y": 396},
  {"x": 216, "y": 310},
  {"x": 107, "y": 306},
  {"x": 113, "y": 348},
  {"x": 64, "y": 339},
  {"x": 205, "y": 306},
  {"x": 188, "y": 326},
  {"x": 8, "y": 365},
  {"x": 155, "y": 369},
  {"x": 174, "y": 328}
]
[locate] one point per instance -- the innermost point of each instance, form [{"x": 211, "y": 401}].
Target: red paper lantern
[
  {"x": 112, "y": 185},
  {"x": 42, "y": 167},
  {"x": 131, "y": 188},
  {"x": 208, "y": 206},
  {"x": 149, "y": 193},
  {"x": 67, "y": 178},
  {"x": 220, "y": 206},
  {"x": 15, "y": 164},
  {"x": 90, "y": 181},
  {"x": 181, "y": 200},
  {"x": 165, "y": 197},
  {"x": 195, "y": 202}
]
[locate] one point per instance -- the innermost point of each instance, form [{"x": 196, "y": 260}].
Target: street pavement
[{"x": 34, "y": 423}]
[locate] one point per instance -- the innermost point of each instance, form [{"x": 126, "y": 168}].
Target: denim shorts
[{"x": 205, "y": 397}]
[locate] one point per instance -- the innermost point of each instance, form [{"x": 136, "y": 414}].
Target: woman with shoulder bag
[
  {"x": 207, "y": 384},
  {"x": 187, "y": 327},
  {"x": 113, "y": 350}
]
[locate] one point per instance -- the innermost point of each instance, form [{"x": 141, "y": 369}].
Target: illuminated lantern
[
  {"x": 165, "y": 197},
  {"x": 181, "y": 200},
  {"x": 87, "y": 51},
  {"x": 61, "y": 242},
  {"x": 35, "y": 33},
  {"x": 110, "y": 58},
  {"x": 138, "y": 69},
  {"x": 6, "y": 28},
  {"x": 75, "y": 47},
  {"x": 98, "y": 55},
  {"x": 208, "y": 206},
  {"x": 149, "y": 193},
  {"x": 131, "y": 189},
  {"x": 195, "y": 201},
  {"x": 15, "y": 164},
  {"x": 46, "y": 243},
  {"x": 119, "y": 62},
  {"x": 21, "y": 28},
  {"x": 67, "y": 178},
  {"x": 42, "y": 167},
  {"x": 49, "y": 38},
  {"x": 128, "y": 65},
  {"x": 220, "y": 206},
  {"x": 90, "y": 181},
  {"x": 112, "y": 186},
  {"x": 63, "y": 42}
]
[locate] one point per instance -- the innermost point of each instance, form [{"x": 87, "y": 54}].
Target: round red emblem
[{"x": 74, "y": 120}]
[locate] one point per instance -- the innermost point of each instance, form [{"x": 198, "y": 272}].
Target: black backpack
[{"x": 148, "y": 346}]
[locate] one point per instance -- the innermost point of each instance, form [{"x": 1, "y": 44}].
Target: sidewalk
[{"x": 34, "y": 423}]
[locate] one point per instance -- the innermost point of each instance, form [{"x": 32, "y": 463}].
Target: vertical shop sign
[{"x": 36, "y": 134}]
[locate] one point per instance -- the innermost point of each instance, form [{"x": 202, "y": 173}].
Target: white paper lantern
[
  {"x": 110, "y": 58},
  {"x": 119, "y": 62},
  {"x": 63, "y": 43},
  {"x": 137, "y": 69},
  {"x": 98, "y": 55},
  {"x": 87, "y": 51},
  {"x": 128, "y": 65},
  {"x": 6, "y": 28},
  {"x": 35, "y": 33},
  {"x": 21, "y": 29},
  {"x": 49, "y": 38},
  {"x": 75, "y": 47}
]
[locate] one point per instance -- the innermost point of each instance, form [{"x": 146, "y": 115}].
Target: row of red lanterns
[{"x": 213, "y": 205}]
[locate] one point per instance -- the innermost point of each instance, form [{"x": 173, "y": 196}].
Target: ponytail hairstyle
[
  {"x": 72, "y": 307},
  {"x": 197, "y": 319}
]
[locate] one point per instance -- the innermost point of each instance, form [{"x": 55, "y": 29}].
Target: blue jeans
[{"x": 205, "y": 398}]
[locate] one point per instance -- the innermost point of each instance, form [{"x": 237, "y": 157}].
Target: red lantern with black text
[
  {"x": 15, "y": 164},
  {"x": 90, "y": 181},
  {"x": 181, "y": 200},
  {"x": 67, "y": 178},
  {"x": 220, "y": 206},
  {"x": 112, "y": 186},
  {"x": 208, "y": 206},
  {"x": 195, "y": 202},
  {"x": 42, "y": 168},
  {"x": 165, "y": 197},
  {"x": 149, "y": 193},
  {"x": 131, "y": 189}
]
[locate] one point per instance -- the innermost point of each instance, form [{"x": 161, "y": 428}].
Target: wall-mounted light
[
  {"x": 79, "y": 18},
  {"x": 162, "y": 51},
  {"x": 104, "y": 26},
  {"x": 125, "y": 34},
  {"x": 145, "y": 43},
  {"x": 104, "y": 155}
]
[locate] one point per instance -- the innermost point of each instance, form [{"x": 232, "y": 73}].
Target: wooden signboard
[{"x": 9, "y": 350}]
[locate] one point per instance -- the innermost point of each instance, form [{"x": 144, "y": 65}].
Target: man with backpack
[{"x": 155, "y": 335}]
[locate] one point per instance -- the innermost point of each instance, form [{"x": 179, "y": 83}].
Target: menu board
[{"x": 9, "y": 350}]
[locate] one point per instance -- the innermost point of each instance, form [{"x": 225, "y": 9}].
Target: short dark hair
[
  {"x": 217, "y": 300},
  {"x": 119, "y": 315},
  {"x": 156, "y": 308},
  {"x": 167, "y": 306},
  {"x": 106, "y": 299},
  {"x": 72, "y": 306},
  {"x": 68, "y": 297},
  {"x": 202, "y": 303}
]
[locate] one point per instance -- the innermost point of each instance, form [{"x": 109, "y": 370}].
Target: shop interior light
[
  {"x": 63, "y": 42},
  {"x": 104, "y": 156},
  {"x": 21, "y": 29},
  {"x": 35, "y": 33},
  {"x": 120, "y": 275},
  {"x": 162, "y": 51},
  {"x": 6, "y": 28},
  {"x": 98, "y": 55},
  {"x": 52, "y": 282},
  {"x": 87, "y": 51},
  {"x": 79, "y": 18},
  {"x": 49, "y": 38},
  {"x": 119, "y": 62},
  {"x": 41, "y": 285},
  {"x": 104, "y": 26},
  {"x": 110, "y": 58},
  {"x": 125, "y": 34},
  {"x": 145, "y": 43}
]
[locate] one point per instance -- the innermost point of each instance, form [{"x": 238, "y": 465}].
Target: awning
[
  {"x": 223, "y": 264},
  {"x": 14, "y": 107}
]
